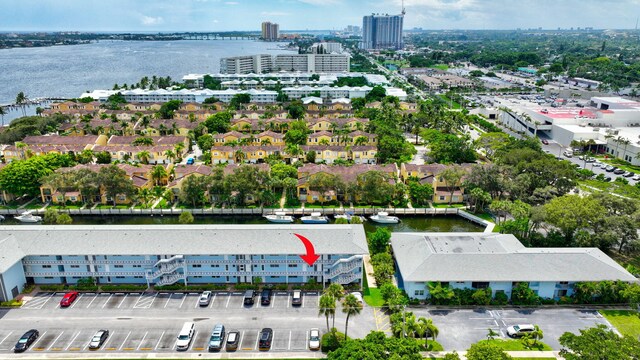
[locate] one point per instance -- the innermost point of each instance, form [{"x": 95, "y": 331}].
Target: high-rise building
[
  {"x": 256, "y": 64},
  {"x": 319, "y": 63},
  {"x": 270, "y": 31},
  {"x": 382, "y": 31}
]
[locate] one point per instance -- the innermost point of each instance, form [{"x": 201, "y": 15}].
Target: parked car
[
  {"x": 591, "y": 159},
  {"x": 68, "y": 298},
  {"x": 265, "y": 297},
  {"x": 618, "y": 171},
  {"x": 185, "y": 336},
  {"x": 26, "y": 340},
  {"x": 358, "y": 296},
  {"x": 296, "y": 298},
  {"x": 520, "y": 330},
  {"x": 628, "y": 174},
  {"x": 597, "y": 164},
  {"x": 314, "y": 339},
  {"x": 607, "y": 178},
  {"x": 233, "y": 339},
  {"x": 98, "y": 339},
  {"x": 545, "y": 141},
  {"x": 636, "y": 177},
  {"x": 264, "y": 342},
  {"x": 205, "y": 298},
  {"x": 217, "y": 338},
  {"x": 190, "y": 161},
  {"x": 248, "y": 297},
  {"x": 610, "y": 168}
]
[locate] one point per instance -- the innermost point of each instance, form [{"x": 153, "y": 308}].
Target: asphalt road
[{"x": 149, "y": 323}]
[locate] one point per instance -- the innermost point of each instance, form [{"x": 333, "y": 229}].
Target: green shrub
[
  {"x": 281, "y": 287},
  {"x": 123, "y": 287},
  {"x": 246, "y": 287},
  {"x": 331, "y": 340},
  {"x": 52, "y": 287},
  {"x": 500, "y": 299},
  {"x": 28, "y": 288},
  {"x": 84, "y": 287},
  {"x": 12, "y": 303}
]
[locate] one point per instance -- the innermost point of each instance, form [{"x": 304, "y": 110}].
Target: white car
[
  {"x": 314, "y": 339},
  {"x": 358, "y": 296},
  {"x": 205, "y": 298},
  {"x": 520, "y": 330},
  {"x": 636, "y": 177}
]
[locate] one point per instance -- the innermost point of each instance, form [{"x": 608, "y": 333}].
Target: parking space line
[
  {"x": 75, "y": 302},
  {"x": 105, "y": 303},
  {"x": 183, "y": 299},
  {"x": 55, "y": 340},
  {"x": 197, "y": 302},
  {"x": 159, "y": 341},
  {"x": 38, "y": 340},
  {"x": 109, "y": 339},
  {"x": 5, "y": 338},
  {"x": 92, "y": 300},
  {"x": 141, "y": 341},
  {"x": 123, "y": 299},
  {"x": 213, "y": 300},
  {"x": 72, "y": 340},
  {"x": 273, "y": 301},
  {"x": 258, "y": 339},
  {"x": 289, "y": 348},
  {"x": 241, "y": 337},
  {"x": 125, "y": 340},
  {"x": 306, "y": 343},
  {"x": 229, "y": 299}
]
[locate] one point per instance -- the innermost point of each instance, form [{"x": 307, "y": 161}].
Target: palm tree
[
  {"x": 350, "y": 306},
  {"x": 3, "y": 112},
  {"x": 327, "y": 308},
  {"x": 361, "y": 140},
  {"x": 178, "y": 149},
  {"x": 21, "y": 100},
  {"x": 144, "y": 156},
  {"x": 21, "y": 146},
  {"x": 265, "y": 142},
  {"x": 536, "y": 334},
  {"x": 158, "y": 173},
  {"x": 144, "y": 195},
  {"x": 324, "y": 142},
  {"x": 427, "y": 328},
  {"x": 239, "y": 156},
  {"x": 169, "y": 154},
  {"x": 336, "y": 291},
  {"x": 39, "y": 111}
]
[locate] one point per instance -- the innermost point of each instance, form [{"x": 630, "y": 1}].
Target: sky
[{"x": 229, "y": 15}]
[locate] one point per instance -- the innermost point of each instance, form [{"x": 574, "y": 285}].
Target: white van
[{"x": 185, "y": 336}]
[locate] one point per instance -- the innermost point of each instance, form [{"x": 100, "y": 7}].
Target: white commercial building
[
  {"x": 496, "y": 261},
  {"x": 246, "y": 64},
  {"x": 184, "y": 95},
  {"x": 315, "y": 63},
  {"x": 613, "y": 123},
  {"x": 326, "y": 48}
]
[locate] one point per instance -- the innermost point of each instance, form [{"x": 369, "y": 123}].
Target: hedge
[
  {"x": 123, "y": 287},
  {"x": 52, "y": 287},
  {"x": 12, "y": 303},
  {"x": 181, "y": 287},
  {"x": 331, "y": 340}
]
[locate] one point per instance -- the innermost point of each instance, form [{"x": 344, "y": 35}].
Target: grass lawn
[
  {"x": 533, "y": 358},
  {"x": 444, "y": 206},
  {"x": 374, "y": 298},
  {"x": 517, "y": 345},
  {"x": 443, "y": 67},
  {"x": 620, "y": 164},
  {"x": 453, "y": 104},
  {"x": 68, "y": 207},
  {"x": 626, "y": 321},
  {"x": 629, "y": 191}
]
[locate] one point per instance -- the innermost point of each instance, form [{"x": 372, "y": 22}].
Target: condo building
[
  {"x": 169, "y": 254},
  {"x": 257, "y": 64},
  {"x": 270, "y": 31},
  {"x": 382, "y": 32}
]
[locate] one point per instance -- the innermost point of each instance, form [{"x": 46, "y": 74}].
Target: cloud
[
  {"x": 231, "y": 3},
  {"x": 320, "y": 2},
  {"x": 274, "y": 13},
  {"x": 151, "y": 21}
]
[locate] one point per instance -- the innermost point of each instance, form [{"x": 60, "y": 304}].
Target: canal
[{"x": 428, "y": 223}]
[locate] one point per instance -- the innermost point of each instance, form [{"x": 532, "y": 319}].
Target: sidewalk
[{"x": 514, "y": 354}]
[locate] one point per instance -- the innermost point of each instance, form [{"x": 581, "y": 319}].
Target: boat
[
  {"x": 348, "y": 216},
  {"x": 279, "y": 217},
  {"x": 315, "y": 218},
  {"x": 28, "y": 217},
  {"x": 384, "y": 218}
]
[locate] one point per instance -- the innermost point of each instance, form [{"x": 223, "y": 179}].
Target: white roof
[
  {"x": 16, "y": 242},
  {"x": 423, "y": 257}
]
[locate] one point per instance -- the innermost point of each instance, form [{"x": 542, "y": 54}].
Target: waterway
[
  {"x": 68, "y": 71},
  {"x": 450, "y": 223}
]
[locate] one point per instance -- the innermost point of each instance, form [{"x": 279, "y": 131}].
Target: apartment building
[
  {"x": 382, "y": 31},
  {"x": 270, "y": 31},
  {"x": 496, "y": 261},
  {"x": 184, "y": 95},
  {"x": 314, "y": 63},
  {"x": 251, "y": 64},
  {"x": 169, "y": 254}
]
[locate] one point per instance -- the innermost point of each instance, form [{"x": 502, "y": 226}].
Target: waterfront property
[
  {"x": 430, "y": 174},
  {"x": 169, "y": 254},
  {"x": 496, "y": 261}
]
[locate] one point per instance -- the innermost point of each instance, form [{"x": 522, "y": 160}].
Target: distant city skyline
[{"x": 247, "y": 15}]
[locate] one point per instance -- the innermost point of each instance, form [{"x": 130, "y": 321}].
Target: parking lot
[
  {"x": 149, "y": 322},
  {"x": 461, "y": 328}
]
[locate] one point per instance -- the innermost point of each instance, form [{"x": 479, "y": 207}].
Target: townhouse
[
  {"x": 496, "y": 261},
  {"x": 430, "y": 173},
  {"x": 45, "y": 144},
  {"x": 169, "y": 254}
]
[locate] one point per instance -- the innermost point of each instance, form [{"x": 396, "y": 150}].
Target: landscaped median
[{"x": 626, "y": 321}]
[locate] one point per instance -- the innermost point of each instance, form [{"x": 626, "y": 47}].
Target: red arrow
[{"x": 310, "y": 257}]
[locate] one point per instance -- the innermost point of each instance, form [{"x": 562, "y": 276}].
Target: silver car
[
  {"x": 98, "y": 339},
  {"x": 205, "y": 298}
]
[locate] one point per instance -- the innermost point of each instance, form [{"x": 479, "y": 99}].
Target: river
[{"x": 68, "y": 71}]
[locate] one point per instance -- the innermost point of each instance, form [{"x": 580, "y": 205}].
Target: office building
[
  {"x": 169, "y": 254},
  {"x": 496, "y": 261},
  {"x": 270, "y": 31},
  {"x": 382, "y": 32},
  {"x": 316, "y": 63},
  {"x": 252, "y": 64}
]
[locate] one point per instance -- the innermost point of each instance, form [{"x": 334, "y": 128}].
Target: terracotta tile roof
[
  {"x": 60, "y": 140},
  {"x": 157, "y": 140},
  {"x": 346, "y": 173}
]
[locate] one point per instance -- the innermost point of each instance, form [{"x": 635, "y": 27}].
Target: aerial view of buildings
[{"x": 176, "y": 181}]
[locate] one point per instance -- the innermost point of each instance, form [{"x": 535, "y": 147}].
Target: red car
[
  {"x": 68, "y": 298},
  {"x": 545, "y": 141}
]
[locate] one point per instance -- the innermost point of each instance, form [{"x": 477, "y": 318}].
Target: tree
[
  {"x": 310, "y": 157},
  {"x": 103, "y": 157},
  {"x": 64, "y": 219},
  {"x": 193, "y": 190},
  {"x": 219, "y": 122},
  {"x": 327, "y": 308},
  {"x": 116, "y": 183},
  {"x": 246, "y": 180},
  {"x": 296, "y": 110},
  {"x": 23, "y": 177},
  {"x": 21, "y": 101},
  {"x": 185, "y": 217},
  {"x": 322, "y": 183},
  {"x": 485, "y": 350},
  {"x": 144, "y": 156},
  {"x": 598, "y": 343},
  {"x": 238, "y": 100},
  {"x": 376, "y": 94},
  {"x": 205, "y": 142},
  {"x": 427, "y": 328},
  {"x": 352, "y": 307},
  {"x": 440, "y": 295},
  {"x": 452, "y": 177},
  {"x": 3, "y": 112},
  {"x": 374, "y": 187},
  {"x": 420, "y": 194},
  {"x": 570, "y": 213},
  {"x": 167, "y": 109},
  {"x": 379, "y": 240},
  {"x": 297, "y": 133},
  {"x": 521, "y": 294},
  {"x": 479, "y": 198},
  {"x": 142, "y": 141},
  {"x": 50, "y": 216}
]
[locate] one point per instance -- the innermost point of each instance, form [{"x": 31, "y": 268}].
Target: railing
[
  {"x": 83, "y": 273},
  {"x": 169, "y": 260},
  {"x": 346, "y": 279},
  {"x": 254, "y": 273},
  {"x": 86, "y": 262},
  {"x": 343, "y": 269},
  {"x": 170, "y": 279},
  {"x": 164, "y": 270}
]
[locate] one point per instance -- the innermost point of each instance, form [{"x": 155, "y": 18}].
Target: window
[
  {"x": 48, "y": 277},
  {"x": 75, "y": 266},
  {"x": 118, "y": 266},
  {"x": 137, "y": 266},
  {"x": 215, "y": 265},
  {"x": 119, "y": 277},
  {"x": 274, "y": 265},
  {"x": 197, "y": 265},
  {"x": 293, "y": 265},
  {"x": 441, "y": 198},
  {"x": 479, "y": 285},
  {"x": 418, "y": 293},
  {"x": 46, "y": 266},
  {"x": 534, "y": 283}
]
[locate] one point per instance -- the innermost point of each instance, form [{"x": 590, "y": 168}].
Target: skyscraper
[
  {"x": 270, "y": 31},
  {"x": 382, "y": 31}
]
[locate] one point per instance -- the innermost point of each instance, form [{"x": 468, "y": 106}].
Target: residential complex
[
  {"x": 166, "y": 254},
  {"x": 246, "y": 64},
  {"x": 382, "y": 32},
  {"x": 326, "y": 48},
  {"x": 496, "y": 261},
  {"x": 269, "y": 80},
  {"x": 270, "y": 31}
]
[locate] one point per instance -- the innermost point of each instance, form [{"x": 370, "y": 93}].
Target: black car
[
  {"x": 26, "y": 340},
  {"x": 607, "y": 178},
  {"x": 248, "y": 297},
  {"x": 265, "y": 297},
  {"x": 296, "y": 298},
  {"x": 618, "y": 171},
  {"x": 266, "y": 335}
]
